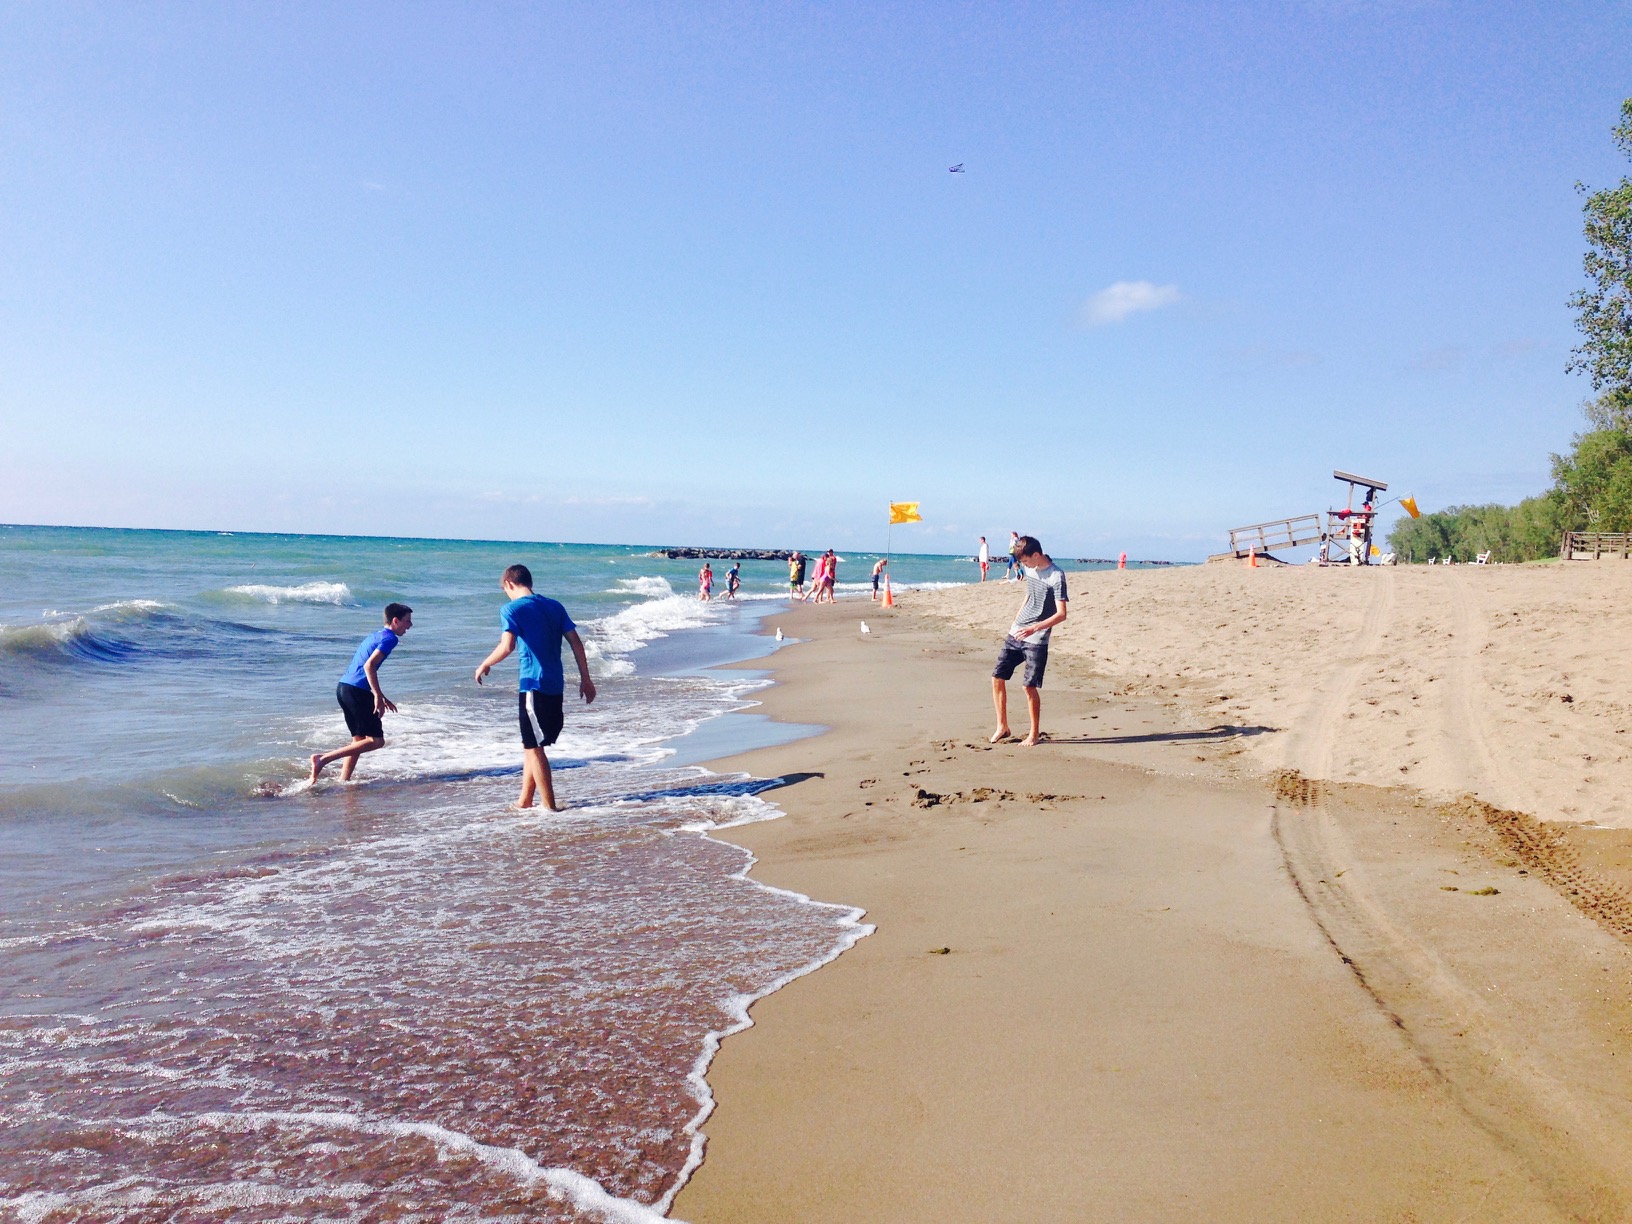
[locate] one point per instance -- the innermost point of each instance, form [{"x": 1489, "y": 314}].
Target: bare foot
[
  {"x": 1032, "y": 740},
  {"x": 317, "y": 767},
  {"x": 1001, "y": 734}
]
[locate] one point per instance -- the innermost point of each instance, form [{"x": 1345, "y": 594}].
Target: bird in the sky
[{"x": 957, "y": 169}]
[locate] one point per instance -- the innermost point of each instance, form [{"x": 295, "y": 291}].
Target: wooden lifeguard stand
[{"x": 1352, "y": 523}]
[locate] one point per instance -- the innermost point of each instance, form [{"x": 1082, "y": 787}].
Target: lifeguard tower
[
  {"x": 1350, "y": 526},
  {"x": 1354, "y": 523}
]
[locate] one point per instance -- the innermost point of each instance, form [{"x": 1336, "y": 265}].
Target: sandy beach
[{"x": 1301, "y": 912}]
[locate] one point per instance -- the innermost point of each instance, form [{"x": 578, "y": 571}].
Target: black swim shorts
[
  {"x": 1015, "y": 650},
  {"x": 541, "y": 723},
  {"x": 357, "y": 704}
]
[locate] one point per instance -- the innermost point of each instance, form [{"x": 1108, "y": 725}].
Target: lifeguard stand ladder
[{"x": 1341, "y": 527}]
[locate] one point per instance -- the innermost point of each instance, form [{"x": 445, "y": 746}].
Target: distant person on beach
[
  {"x": 1359, "y": 525},
  {"x": 796, "y": 575},
  {"x": 705, "y": 582},
  {"x": 878, "y": 575},
  {"x": 1014, "y": 556},
  {"x": 733, "y": 580},
  {"x": 362, "y": 700},
  {"x": 985, "y": 558},
  {"x": 830, "y": 575},
  {"x": 538, "y": 625},
  {"x": 1027, "y": 641}
]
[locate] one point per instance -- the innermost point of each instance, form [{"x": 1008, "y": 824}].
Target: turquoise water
[{"x": 229, "y": 995}]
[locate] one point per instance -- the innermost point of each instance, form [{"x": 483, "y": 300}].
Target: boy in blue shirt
[
  {"x": 361, "y": 699},
  {"x": 539, "y": 625}
]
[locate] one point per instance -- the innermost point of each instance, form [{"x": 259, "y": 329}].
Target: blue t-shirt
[
  {"x": 382, "y": 640},
  {"x": 539, "y": 625}
]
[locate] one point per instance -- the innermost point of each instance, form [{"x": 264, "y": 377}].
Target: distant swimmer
[
  {"x": 362, "y": 701},
  {"x": 705, "y": 582},
  {"x": 538, "y": 626},
  {"x": 796, "y": 575},
  {"x": 733, "y": 580},
  {"x": 1027, "y": 640}
]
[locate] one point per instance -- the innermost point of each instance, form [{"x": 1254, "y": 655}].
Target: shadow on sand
[{"x": 1212, "y": 734}]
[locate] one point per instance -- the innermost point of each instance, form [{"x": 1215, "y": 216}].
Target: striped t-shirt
[{"x": 1045, "y": 592}]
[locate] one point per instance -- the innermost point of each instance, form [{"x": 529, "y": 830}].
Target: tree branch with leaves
[{"x": 1604, "y": 308}]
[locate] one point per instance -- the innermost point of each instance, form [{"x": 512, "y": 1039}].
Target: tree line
[{"x": 1592, "y": 484}]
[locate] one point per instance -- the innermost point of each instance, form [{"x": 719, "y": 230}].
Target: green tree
[
  {"x": 1604, "y": 307},
  {"x": 1611, "y": 410},
  {"x": 1537, "y": 527},
  {"x": 1594, "y": 482}
]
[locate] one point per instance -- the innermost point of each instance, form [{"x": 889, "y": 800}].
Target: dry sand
[
  {"x": 1138, "y": 974},
  {"x": 1502, "y": 681}
]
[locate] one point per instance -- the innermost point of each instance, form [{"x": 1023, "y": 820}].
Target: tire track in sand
[
  {"x": 1468, "y": 1045},
  {"x": 1311, "y": 747},
  {"x": 1466, "y": 737},
  {"x": 1462, "y": 1042}
]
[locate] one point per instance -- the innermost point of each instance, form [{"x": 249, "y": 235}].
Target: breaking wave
[{"x": 336, "y": 593}]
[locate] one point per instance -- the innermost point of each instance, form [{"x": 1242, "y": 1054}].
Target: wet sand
[{"x": 1138, "y": 974}]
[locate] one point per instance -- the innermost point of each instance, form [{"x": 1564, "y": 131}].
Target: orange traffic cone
[
  {"x": 1252, "y": 558},
  {"x": 889, "y": 599}
]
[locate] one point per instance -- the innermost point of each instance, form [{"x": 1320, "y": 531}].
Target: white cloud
[{"x": 1116, "y": 302}]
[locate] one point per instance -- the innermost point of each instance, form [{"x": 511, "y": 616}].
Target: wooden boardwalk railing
[
  {"x": 1595, "y": 545},
  {"x": 1279, "y": 533}
]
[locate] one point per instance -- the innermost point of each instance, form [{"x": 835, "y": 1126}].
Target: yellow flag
[
  {"x": 905, "y": 512},
  {"x": 1409, "y": 505}
]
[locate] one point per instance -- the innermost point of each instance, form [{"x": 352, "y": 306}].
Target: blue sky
[{"x": 699, "y": 274}]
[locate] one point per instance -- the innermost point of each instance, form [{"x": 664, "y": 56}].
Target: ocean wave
[
  {"x": 630, "y": 629},
  {"x": 337, "y": 593},
  {"x": 117, "y": 632},
  {"x": 646, "y": 586},
  {"x": 60, "y": 639},
  {"x": 67, "y": 636}
]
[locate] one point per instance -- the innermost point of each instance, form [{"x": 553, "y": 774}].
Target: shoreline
[{"x": 865, "y": 1092}]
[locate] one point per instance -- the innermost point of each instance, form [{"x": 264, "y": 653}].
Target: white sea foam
[
  {"x": 131, "y": 605},
  {"x": 648, "y": 586},
  {"x": 640, "y": 623},
  {"x": 337, "y": 593},
  {"x": 564, "y": 1185},
  {"x": 738, "y": 1007}
]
